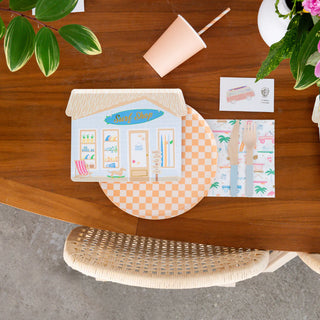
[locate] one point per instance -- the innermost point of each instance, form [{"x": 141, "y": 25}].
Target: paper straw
[{"x": 214, "y": 21}]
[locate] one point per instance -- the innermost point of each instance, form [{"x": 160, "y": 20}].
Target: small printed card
[
  {"x": 263, "y": 159},
  {"x": 243, "y": 94}
]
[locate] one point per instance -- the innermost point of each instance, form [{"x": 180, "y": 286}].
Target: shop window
[
  {"x": 88, "y": 147},
  {"x": 111, "y": 148}
]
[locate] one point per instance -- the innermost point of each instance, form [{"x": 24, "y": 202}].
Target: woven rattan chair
[
  {"x": 155, "y": 263},
  {"x": 312, "y": 260}
]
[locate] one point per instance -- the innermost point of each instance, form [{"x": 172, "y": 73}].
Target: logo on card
[
  {"x": 133, "y": 116},
  {"x": 265, "y": 92}
]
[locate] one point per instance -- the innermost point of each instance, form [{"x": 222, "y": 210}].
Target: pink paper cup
[{"x": 176, "y": 45}]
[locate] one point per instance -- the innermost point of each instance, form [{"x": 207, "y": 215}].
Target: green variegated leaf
[
  {"x": 306, "y": 79},
  {"x": 305, "y": 72},
  {"x": 305, "y": 24},
  {"x": 51, "y": 10},
  {"x": 315, "y": 19},
  {"x": 280, "y": 50},
  {"x": 313, "y": 59},
  {"x": 18, "y": 43},
  {"x": 22, "y": 5},
  {"x": 2, "y": 28},
  {"x": 82, "y": 38},
  {"x": 47, "y": 51}
]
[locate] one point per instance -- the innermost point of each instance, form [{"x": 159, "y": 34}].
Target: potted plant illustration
[{"x": 21, "y": 41}]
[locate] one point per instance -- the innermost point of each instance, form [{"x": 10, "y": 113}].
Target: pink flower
[{"x": 312, "y": 6}]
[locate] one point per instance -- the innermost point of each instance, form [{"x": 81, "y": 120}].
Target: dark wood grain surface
[{"x": 35, "y": 132}]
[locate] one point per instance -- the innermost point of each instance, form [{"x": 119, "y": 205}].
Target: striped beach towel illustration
[{"x": 81, "y": 167}]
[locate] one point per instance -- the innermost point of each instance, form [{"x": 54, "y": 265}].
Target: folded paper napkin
[{"x": 263, "y": 159}]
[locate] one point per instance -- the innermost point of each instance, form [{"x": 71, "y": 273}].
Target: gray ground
[{"x": 35, "y": 283}]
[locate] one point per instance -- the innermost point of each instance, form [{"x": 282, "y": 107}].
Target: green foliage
[
  {"x": 305, "y": 25},
  {"x": 82, "y": 38},
  {"x": 20, "y": 40},
  {"x": 313, "y": 59},
  {"x": 18, "y": 43},
  {"x": 2, "y": 28},
  {"x": 22, "y": 5},
  {"x": 300, "y": 46},
  {"x": 305, "y": 73},
  {"x": 293, "y": 11},
  {"x": 280, "y": 50},
  {"x": 47, "y": 51},
  {"x": 315, "y": 19},
  {"x": 51, "y": 10}
]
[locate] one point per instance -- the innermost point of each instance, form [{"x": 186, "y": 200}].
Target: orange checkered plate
[{"x": 163, "y": 200}]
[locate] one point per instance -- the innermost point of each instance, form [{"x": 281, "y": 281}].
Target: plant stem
[
  {"x": 28, "y": 17},
  {"x": 292, "y": 12}
]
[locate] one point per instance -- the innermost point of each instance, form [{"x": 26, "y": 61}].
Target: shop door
[{"x": 139, "y": 154}]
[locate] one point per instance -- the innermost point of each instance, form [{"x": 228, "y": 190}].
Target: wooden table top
[{"x": 35, "y": 132}]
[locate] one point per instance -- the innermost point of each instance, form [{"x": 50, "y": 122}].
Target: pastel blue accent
[
  {"x": 161, "y": 152},
  {"x": 169, "y": 164},
  {"x": 249, "y": 180},
  {"x": 226, "y": 189},
  {"x": 233, "y": 180},
  {"x": 136, "y": 116},
  {"x": 138, "y": 147}
]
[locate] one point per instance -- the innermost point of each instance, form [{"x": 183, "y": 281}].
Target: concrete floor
[{"x": 35, "y": 283}]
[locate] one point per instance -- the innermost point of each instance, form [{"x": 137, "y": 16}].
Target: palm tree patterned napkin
[{"x": 263, "y": 159}]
